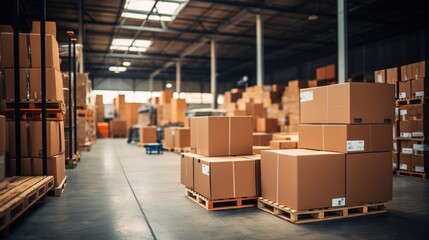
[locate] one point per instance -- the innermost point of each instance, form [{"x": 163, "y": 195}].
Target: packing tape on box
[{"x": 30, "y": 65}]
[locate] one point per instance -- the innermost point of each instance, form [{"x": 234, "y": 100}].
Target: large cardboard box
[
  {"x": 50, "y": 28},
  {"x": 419, "y": 163},
  {"x": 380, "y": 76},
  {"x": 178, "y": 109},
  {"x": 29, "y": 51},
  {"x": 267, "y": 125},
  {"x": 221, "y": 136},
  {"x": 405, "y": 128},
  {"x": 392, "y": 75},
  {"x": 421, "y": 69},
  {"x": 303, "y": 179},
  {"x": 225, "y": 177},
  {"x": 31, "y": 86},
  {"x": 118, "y": 128},
  {"x": 147, "y": 135},
  {"x": 414, "y": 112},
  {"x": 2, "y": 148},
  {"x": 169, "y": 134},
  {"x": 368, "y": 178},
  {"x": 405, "y": 162},
  {"x": 404, "y": 89},
  {"x": 262, "y": 139},
  {"x": 419, "y": 87},
  {"x": 283, "y": 144},
  {"x": 34, "y": 167},
  {"x": 346, "y": 138},
  {"x": 31, "y": 139},
  {"x": 187, "y": 169},
  {"x": 182, "y": 138},
  {"x": 348, "y": 103}
]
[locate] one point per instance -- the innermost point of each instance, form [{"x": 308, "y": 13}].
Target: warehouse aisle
[{"x": 101, "y": 203}]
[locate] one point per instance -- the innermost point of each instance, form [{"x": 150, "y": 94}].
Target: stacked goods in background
[
  {"x": 2, "y": 148},
  {"x": 169, "y": 110},
  {"x": 220, "y": 168},
  {"x": 325, "y": 75},
  {"x": 413, "y": 109},
  {"x": 290, "y": 120},
  {"x": 67, "y": 130},
  {"x": 345, "y": 151},
  {"x": 177, "y": 139},
  {"x": 86, "y": 126},
  {"x": 99, "y": 117},
  {"x": 31, "y": 112}
]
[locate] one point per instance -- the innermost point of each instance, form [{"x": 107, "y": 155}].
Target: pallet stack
[
  {"x": 344, "y": 161},
  {"x": 221, "y": 173},
  {"x": 86, "y": 128},
  {"x": 177, "y": 139},
  {"x": 31, "y": 112}
]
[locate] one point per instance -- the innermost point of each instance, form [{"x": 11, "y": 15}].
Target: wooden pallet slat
[
  {"x": 222, "y": 204},
  {"x": 317, "y": 215},
  {"x": 182, "y": 150},
  {"x": 411, "y": 173},
  {"x": 58, "y": 191}
]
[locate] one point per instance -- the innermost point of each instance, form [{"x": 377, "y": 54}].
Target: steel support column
[
  {"x": 178, "y": 78},
  {"x": 260, "y": 49},
  {"x": 213, "y": 80},
  {"x": 342, "y": 41}
]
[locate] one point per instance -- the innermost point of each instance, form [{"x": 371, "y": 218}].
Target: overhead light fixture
[
  {"x": 126, "y": 63},
  {"x": 128, "y": 44},
  {"x": 117, "y": 69},
  {"x": 164, "y": 11},
  {"x": 313, "y": 17},
  {"x": 168, "y": 85}
]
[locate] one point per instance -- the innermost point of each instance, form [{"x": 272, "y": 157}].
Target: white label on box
[
  {"x": 407, "y": 150},
  {"x": 205, "y": 169},
  {"x": 306, "y": 96},
  {"x": 421, "y": 147},
  {"x": 417, "y": 134},
  {"x": 403, "y": 166},
  {"x": 402, "y": 95},
  {"x": 403, "y": 112},
  {"x": 395, "y": 146},
  {"x": 338, "y": 202},
  {"x": 355, "y": 145},
  {"x": 420, "y": 94},
  {"x": 419, "y": 169},
  {"x": 405, "y": 134}
]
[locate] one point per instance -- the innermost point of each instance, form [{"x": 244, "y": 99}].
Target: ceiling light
[
  {"x": 139, "y": 5},
  {"x": 126, "y": 63},
  {"x": 167, "y": 9},
  {"x": 122, "y": 41},
  {"x": 313, "y": 17},
  {"x": 117, "y": 69},
  {"x": 168, "y": 85},
  {"x": 128, "y": 44}
]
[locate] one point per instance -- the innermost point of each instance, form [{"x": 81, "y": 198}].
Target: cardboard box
[
  {"x": 262, "y": 139},
  {"x": 419, "y": 128},
  {"x": 31, "y": 86},
  {"x": 34, "y": 167},
  {"x": 259, "y": 149},
  {"x": 419, "y": 164},
  {"x": 405, "y": 128},
  {"x": 312, "y": 83},
  {"x": 169, "y": 134},
  {"x": 321, "y": 73},
  {"x": 225, "y": 177},
  {"x": 295, "y": 85},
  {"x": 2, "y": 148},
  {"x": 419, "y": 87},
  {"x": 255, "y": 110},
  {"x": 368, "y": 178},
  {"x": 285, "y": 136},
  {"x": 346, "y": 138},
  {"x": 31, "y": 139},
  {"x": 405, "y": 162},
  {"x": 392, "y": 75},
  {"x": 404, "y": 89},
  {"x": 50, "y": 28},
  {"x": 395, "y": 161},
  {"x": 118, "y": 128},
  {"x": 303, "y": 179},
  {"x": 178, "y": 109},
  {"x": 413, "y": 112},
  {"x": 33, "y": 45},
  {"x": 348, "y": 103},
  {"x": 147, "y": 135},
  {"x": 166, "y": 97},
  {"x": 182, "y": 138},
  {"x": 283, "y": 144},
  {"x": 407, "y": 147},
  {"x": 380, "y": 76},
  {"x": 187, "y": 169},
  {"x": 331, "y": 72},
  {"x": 267, "y": 125},
  {"x": 421, "y": 69},
  {"x": 221, "y": 136}
]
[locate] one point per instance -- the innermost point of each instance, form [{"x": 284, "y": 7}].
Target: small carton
[{"x": 148, "y": 135}]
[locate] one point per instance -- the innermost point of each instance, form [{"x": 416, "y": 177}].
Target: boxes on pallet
[
  {"x": 29, "y": 51},
  {"x": 262, "y": 139},
  {"x": 392, "y": 75},
  {"x": 413, "y": 112},
  {"x": 226, "y": 177},
  {"x": 303, "y": 179},
  {"x": 50, "y": 28},
  {"x": 2, "y": 148},
  {"x": 221, "y": 136},
  {"x": 380, "y": 76},
  {"x": 346, "y": 138},
  {"x": 31, "y": 138},
  {"x": 30, "y": 84},
  {"x": 368, "y": 178},
  {"x": 182, "y": 138},
  {"x": 148, "y": 135},
  {"x": 178, "y": 109},
  {"x": 420, "y": 163},
  {"x": 405, "y": 162},
  {"x": 166, "y": 97},
  {"x": 34, "y": 167},
  {"x": 187, "y": 169},
  {"x": 404, "y": 89},
  {"x": 118, "y": 128},
  {"x": 419, "y": 87},
  {"x": 343, "y": 104},
  {"x": 169, "y": 137}
]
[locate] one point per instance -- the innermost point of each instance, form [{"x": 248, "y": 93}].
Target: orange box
[
  {"x": 103, "y": 129},
  {"x": 331, "y": 72},
  {"x": 187, "y": 169},
  {"x": 405, "y": 162},
  {"x": 169, "y": 134},
  {"x": 321, "y": 73},
  {"x": 118, "y": 128}
]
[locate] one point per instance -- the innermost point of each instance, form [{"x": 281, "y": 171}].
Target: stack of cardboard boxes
[
  {"x": 345, "y": 153},
  {"x": 177, "y": 138},
  {"x": 30, "y": 95},
  {"x": 2, "y": 148},
  {"x": 221, "y": 165},
  {"x": 325, "y": 75},
  {"x": 86, "y": 126},
  {"x": 169, "y": 109},
  {"x": 290, "y": 102}
]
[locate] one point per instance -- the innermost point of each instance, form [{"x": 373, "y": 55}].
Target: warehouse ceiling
[{"x": 293, "y": 29}]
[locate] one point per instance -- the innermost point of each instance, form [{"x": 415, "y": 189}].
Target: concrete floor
[{"x": 119, "y": 192}]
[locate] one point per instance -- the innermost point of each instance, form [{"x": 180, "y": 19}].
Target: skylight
[
  {"x": 165, "y": 11},
  {"x": 127, "y": 44}
]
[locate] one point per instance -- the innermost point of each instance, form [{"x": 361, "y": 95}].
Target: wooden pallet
[
  {"x": 318, "y": 215},
  {"x": 411, "y": 173},
  {"x": 58, "y": 191},
  {"x": 407, "y": 101},
  {"x": 182, "y": 150},
  {"x": 168, "y": 149},
  {"x": 419, "y": 139},
  {"x": 223, "y": 204},
  {"x": 86, "y": 147},
  {"x": 20, "y": 195},
  {"x": 28, "y": 105}
]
